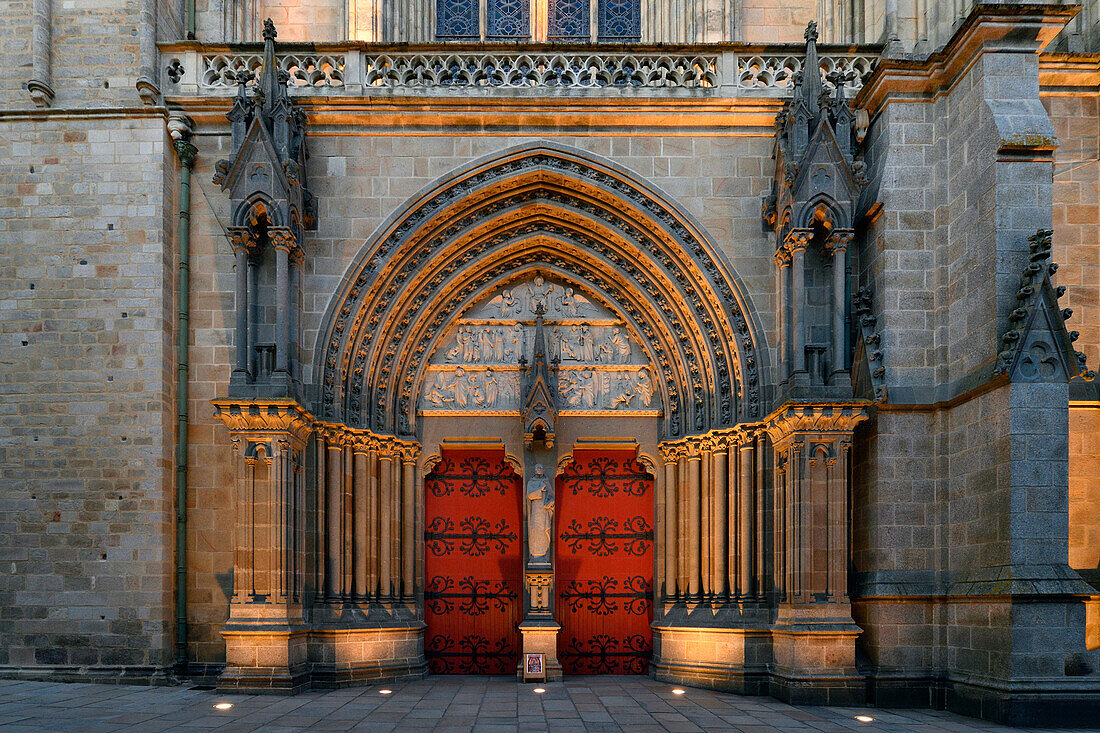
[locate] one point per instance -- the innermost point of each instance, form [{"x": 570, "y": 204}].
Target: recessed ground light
[
  {"x": 538, "y": 690},
  {"x": 385, "y": 692},
  {"x": 865, "y": 719},
  {"x": 677, "y": 691},
  {"x": 223, "y": 706}
]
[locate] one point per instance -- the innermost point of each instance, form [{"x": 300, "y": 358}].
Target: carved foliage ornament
[{"x": 718, "y": 289}]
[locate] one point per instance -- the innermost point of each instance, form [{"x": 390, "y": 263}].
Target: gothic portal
[{"x": 346, "y": 341}]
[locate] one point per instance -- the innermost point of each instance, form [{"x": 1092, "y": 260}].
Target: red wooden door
[
  {"x": 473, "y": 534},
  {"x": 604, "y": 555}
]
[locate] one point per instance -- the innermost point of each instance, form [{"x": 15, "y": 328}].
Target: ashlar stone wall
[{"x": 87, "y": 417}]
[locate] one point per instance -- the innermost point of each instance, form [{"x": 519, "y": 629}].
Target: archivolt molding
[{"x": 548, "y": 210}]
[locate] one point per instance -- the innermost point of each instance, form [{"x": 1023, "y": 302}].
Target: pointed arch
[{"x": 557, "y": 211}]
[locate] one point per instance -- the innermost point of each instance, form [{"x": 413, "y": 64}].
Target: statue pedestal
[{"x": 541, "y": 637}]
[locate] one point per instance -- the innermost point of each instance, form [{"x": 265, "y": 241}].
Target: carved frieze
[{"x": 598, "y": 367}]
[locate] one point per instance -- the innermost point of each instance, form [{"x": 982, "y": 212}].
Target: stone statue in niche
[{"x": 540, "y": 516}]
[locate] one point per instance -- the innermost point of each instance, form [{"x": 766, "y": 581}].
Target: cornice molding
[{"x": 996, "y": 28}]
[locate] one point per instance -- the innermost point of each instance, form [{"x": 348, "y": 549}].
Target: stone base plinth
[
  {"x": 265, "y": 649},
  {"x": 372, "y": 653},
  {"x": 814, "y": 650},
  {"x": 541, "y": 637},
  {"x": 733, "y": 660}
]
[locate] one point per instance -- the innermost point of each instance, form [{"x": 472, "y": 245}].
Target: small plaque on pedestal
[{"x": 534, "y": 667}]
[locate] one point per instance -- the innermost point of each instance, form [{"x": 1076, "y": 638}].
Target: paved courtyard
[{"x": 633, "y": 704}]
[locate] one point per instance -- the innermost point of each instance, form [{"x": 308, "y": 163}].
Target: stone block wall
[
  {"x": 87, "y": 413},
  {"x": 95, "y": 53},
  {"x": 16, "y": 31},
  {"x": 1076, "y": 121},
  {"x": 1084, "y": 490}
]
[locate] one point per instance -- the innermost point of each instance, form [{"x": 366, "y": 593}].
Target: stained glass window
[
  {"x": 508, "y": 20},
  {"x": 568, "y": 20},
  {"x": 456, "y": 20},
  {"x": 620, "y": 20}
]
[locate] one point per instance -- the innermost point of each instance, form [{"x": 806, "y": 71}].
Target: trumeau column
[
  {"x": 814, "y": 634},
  {"x": 265, "y": 611}
]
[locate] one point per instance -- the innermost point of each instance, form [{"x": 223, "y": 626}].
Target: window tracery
[
  {"x": 508, "y": 20},
  {"x": 620, "y": 20},
  {"x": 569, "y": 20},
  {"x": 457, "y": 20},
  {"x": 560, "y": 20}
]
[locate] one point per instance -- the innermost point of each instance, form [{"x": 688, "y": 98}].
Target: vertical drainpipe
[{"x": 180, "y": 129}]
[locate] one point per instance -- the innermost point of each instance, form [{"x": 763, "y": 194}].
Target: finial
[
  {"x": 269, "y": 30},
  {"x": 811, "y": 31}
]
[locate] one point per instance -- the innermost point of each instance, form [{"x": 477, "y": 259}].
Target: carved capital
[
  {"x": 264, "y": 420},
  {"x": 795, "y": 420},
  {"x": 242, "y": 238},
  {"x": 282, "y": 238},
  {"x": 797, "y": 240},
  {"x": 839, "y": 241}
]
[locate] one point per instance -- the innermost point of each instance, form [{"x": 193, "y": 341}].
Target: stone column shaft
[
  {"x": 706, "y": 524},
  {"x": 360, "y": 502},
  {"x": 783, "y": 324},
  {"x": 282, "y": 307},
  {"x": 745, "y": 528},
  {"x": 721, "y": 521},
  {"x": 347, "y": 584},
  {"x": 373, "y": 535},
  {"x": 761, "y": 484},
  {"x": 241, "y": 253},
  {"x": 253, "y": 319},
  {"x": 395, "y": 529},
  {"x": 282, "y": 519},
  {"x": 798, "y": 302},
  {"x": 386, "y": 510},
  {"x": 243, "y": 563},
  {"x": 408, "y": 529},
  {"x": 840, "y": 255},
  {"x": 293, "y": 315},
  {"x": 320, "y": 553},
  {"x": 683, "y": 527},
  {"x": 670, "y": 530},
  {"x": 695, "y": 524},
  {"x": 334, "y": 514}
]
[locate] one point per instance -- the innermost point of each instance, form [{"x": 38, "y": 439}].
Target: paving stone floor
[{"x": 633, "y": 704}]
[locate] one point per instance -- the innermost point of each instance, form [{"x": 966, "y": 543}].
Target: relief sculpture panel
[{"x": 598, "y": 367}]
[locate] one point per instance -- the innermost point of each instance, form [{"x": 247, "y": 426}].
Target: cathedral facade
[{"x": 747, "y": 345}]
